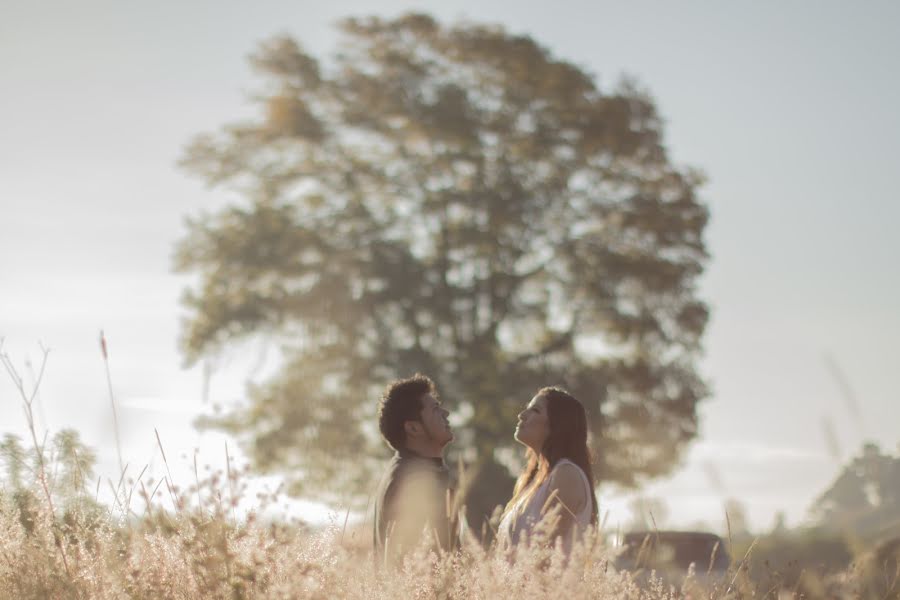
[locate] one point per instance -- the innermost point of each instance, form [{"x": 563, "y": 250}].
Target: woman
[{"x": 557, "y": 478}]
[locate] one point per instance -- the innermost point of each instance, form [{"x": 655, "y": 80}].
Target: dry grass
[
  {"x": 60, "y": 547},
  {"x": 194, "y": 554}
]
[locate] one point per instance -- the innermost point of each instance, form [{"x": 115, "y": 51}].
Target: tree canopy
[
  {"x": 864, "y": 497},
  {"x": 453, "y": 200}
]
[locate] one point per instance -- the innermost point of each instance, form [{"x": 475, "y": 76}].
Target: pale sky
[{"x": 789, "y": 107}]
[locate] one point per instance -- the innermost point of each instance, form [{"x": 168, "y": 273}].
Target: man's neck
[{"x": 425, "y": 450}]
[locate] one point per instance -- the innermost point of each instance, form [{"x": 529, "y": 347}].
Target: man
[{"x": 414, "y": 496}]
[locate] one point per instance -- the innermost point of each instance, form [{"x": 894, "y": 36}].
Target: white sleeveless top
[{"x": 521, "y": 520}]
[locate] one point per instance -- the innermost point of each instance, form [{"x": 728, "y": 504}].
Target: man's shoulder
[
  {"x": 406, "y": 468},
  {"x": 415, "y": 472},
  {"x": 400, "y": 467}
]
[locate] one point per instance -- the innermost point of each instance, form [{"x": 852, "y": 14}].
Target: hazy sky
[{"x": 789, "y": 107}]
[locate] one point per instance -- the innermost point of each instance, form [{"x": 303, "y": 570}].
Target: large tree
[{"x": 453, "y": 200}]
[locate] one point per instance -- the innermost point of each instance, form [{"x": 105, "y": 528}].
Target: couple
[{"x": 416, "y": 496}]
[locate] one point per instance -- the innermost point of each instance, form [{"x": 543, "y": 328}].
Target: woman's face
[{"x": 534, "y": 424}]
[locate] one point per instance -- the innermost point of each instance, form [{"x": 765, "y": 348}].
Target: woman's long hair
[{"x": 567, "y": 439}]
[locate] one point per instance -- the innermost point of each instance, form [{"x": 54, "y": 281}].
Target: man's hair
[{"x": 402, "y": 402}]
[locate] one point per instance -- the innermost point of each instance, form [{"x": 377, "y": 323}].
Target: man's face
[{"x": 434, "y": 421}]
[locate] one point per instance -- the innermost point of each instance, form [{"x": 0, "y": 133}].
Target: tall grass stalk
[
  {"x": 27, "y": 401},
  {"x": 112, "y": 400}
]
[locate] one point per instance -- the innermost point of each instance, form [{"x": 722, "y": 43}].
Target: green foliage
[
  {"x": 864, "y": 499},
  {"x": 854, "y": 540},
  {"x": 76, "y": 462},
  {"x": 14, "y": 459},
  {"x": 453, "y": 200},
  {"x": 68, "y": 462},
  {"x": 785, "y": 558}
]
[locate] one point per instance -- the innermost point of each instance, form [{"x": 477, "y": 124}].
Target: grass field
[
  {"x": 58, "y": 542},
  {"x": 88, "y": 551}
]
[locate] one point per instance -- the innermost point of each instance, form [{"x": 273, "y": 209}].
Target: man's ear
[{"x": 412, "y": 428}]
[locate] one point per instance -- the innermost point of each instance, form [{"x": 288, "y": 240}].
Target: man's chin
[{"x": 450, "y": 437}]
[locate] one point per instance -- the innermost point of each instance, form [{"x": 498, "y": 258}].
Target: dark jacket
[{"x": 414, "y": 496}]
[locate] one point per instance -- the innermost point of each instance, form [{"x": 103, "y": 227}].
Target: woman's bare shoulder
[{"x": 568, "y": 481}]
